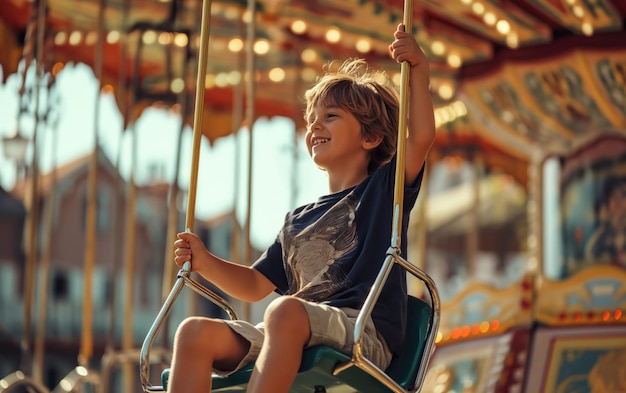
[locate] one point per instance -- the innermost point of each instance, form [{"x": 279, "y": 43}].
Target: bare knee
[
  {"x": 286, "y": 316},
  {"x": 213, "y": 339},
  {"x": 192, "y": 333}
]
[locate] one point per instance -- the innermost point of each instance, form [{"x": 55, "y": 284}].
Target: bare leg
[
  {"x": 286, "y": 332},
  {"x": 199, "y": 345}
]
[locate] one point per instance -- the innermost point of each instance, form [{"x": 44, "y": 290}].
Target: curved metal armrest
[
  {"x": 183, "y": 278},
  {"x": 18, "y": 380},
  {"x": 358, "y": 360}
]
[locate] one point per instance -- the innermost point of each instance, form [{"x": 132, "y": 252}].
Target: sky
[{"x": 275, "y": 170}]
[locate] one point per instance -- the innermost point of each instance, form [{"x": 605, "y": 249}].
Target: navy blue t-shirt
[{"x": 331, "y": 251}]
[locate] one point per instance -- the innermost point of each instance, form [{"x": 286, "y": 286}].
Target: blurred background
[{"x": 521, "y": 221}]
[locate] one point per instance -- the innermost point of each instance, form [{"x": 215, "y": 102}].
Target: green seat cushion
[{"x": 318, "y": 363}]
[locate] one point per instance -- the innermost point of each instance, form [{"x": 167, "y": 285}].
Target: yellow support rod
[
  {"x": 86, "y": 344},
  {"x": 398, "y": 196},
  {"x": 250, "y": 117},
  {"x": 205, "y": 29},
  {"x": 32, "y": 223}
]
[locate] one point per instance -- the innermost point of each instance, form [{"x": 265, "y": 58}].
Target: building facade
[{"x": 62, "y": 244}]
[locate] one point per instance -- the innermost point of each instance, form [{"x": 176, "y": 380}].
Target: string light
[
  {"x": 165, "y": 38},
  {"x": 60, "y": 38},
  {"x": 333, "y": 35},
  {"x": 298, "y": 26},
  {"x": 277, "y": 74},
  {"x": 221, "y": 79},
  {"x": 478, "y": 8},
  {"x": 235, "y": 45},
  {"x": 512, "y": 40},
  {"x": 449, "y": 113},
  {"x": 181, "y": 40},
  {"x": 308, "y": 74},
  {"x": 363, "y": 45},
  {"x": 489, "y": 18},
  {"x": 177, "y": 86},
  {"x": 437, "y": 47},
  {"x": 454, "y": 60},
  {"x": 234, "y": 78},
  {"x": 75, "y": 38},
  {"x": 149, "y": 37},
  {"x": 261, "y": 47},
  {"x": 91, "y": 38},
  {"x": 308, "y": 55},
  {"x": 587, "y": 28}
]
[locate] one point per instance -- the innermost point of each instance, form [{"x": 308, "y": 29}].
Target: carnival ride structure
[{"x": 549, "y": 88}]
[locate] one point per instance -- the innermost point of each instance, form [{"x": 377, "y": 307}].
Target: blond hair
[{"x": 370, "y": 96}]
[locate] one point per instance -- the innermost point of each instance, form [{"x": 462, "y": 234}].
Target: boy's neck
[{"x": 339, "y": 182}]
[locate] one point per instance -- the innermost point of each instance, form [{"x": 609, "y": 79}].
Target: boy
[{"x": 328, "y": 253}]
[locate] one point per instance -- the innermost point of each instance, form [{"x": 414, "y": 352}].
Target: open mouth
[{"x": 319, "y": 141}]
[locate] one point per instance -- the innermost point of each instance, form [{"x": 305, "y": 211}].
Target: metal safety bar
[
  {"x": 18, "y": 381},
  {"x": 182, "y": 279},
  {"x": 360, "y": 361}
]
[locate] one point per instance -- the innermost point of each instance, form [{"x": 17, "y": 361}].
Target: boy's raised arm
[{"x": 421, "y": 119}]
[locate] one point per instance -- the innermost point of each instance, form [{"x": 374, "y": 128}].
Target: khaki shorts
[{"x": 329, "y": 325}]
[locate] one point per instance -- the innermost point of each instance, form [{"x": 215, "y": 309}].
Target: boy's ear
[{"x": 372, "y": 142}]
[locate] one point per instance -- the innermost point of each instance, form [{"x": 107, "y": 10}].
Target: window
[
  {"x": 103, "y": 209},
  {"x": 60, "y": 286}
]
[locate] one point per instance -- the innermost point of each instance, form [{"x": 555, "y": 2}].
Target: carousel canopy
[{"x": 510, "y": 79}]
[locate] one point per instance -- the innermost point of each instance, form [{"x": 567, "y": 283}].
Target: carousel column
[
  {"x": 34, "y": 40},
  {"x": 418, "y": 240},
  {"x": 535, "y": 216},
  {"x": 130, "y": 226},
  {"x": 130, "y": 247},
  {"x": 48, "y": 223},
  {"x": 32, "y": 203},
  {"x": 250, "y": 118},
  {"x": 112, "y": 355},
  {"x": 237, "y": 121},
  {"x": 297, "y": 114},
  {"x": 169, "y": 268},
  {"x": 111, "y": 345},
  {"x": 182, "y": 108},
  {"x": 545, "y": 214},
  {"x": 473, "y": 236},
  {"x": 82, "y": 373},
  {"x": 129, "y": 263}
]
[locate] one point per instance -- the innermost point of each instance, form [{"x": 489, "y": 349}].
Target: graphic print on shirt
[{"x": 314, "y": 254}]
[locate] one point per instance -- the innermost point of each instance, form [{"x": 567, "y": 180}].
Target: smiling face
[
  {"x": 334, "y": 137},
  {"x": 360, "y": 100}
]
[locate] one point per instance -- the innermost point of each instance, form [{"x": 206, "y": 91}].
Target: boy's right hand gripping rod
[{"x": 183, "y": 277}]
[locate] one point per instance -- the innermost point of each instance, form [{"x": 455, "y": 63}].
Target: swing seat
[{"x": 316, "y": 370}]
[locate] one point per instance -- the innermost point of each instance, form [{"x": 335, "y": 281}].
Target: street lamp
[{"x": 14, "y": 147}]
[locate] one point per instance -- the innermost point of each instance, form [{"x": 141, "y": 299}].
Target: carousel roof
[{"x": 510, "y": 78}]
